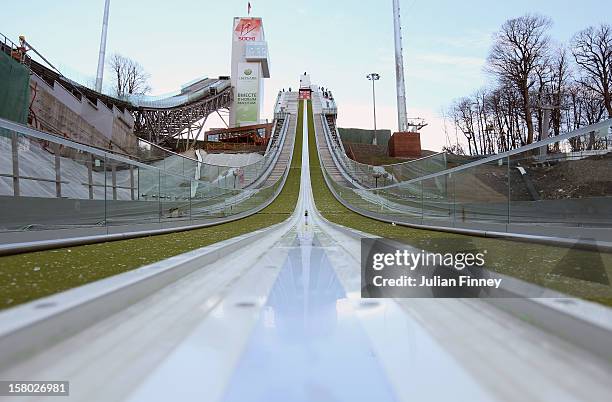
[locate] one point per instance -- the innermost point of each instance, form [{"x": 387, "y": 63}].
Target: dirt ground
[{"x": 584, "y": 178}]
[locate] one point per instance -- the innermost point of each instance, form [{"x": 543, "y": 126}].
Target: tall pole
[
  {"x": 100, "y": 73},
  {"x": 374, "y": 103},
  {"x": 374, "y": 77},
  {"x": 402, "y": 120}
]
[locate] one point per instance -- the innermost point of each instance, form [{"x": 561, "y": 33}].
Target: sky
[{"x": 338, "y": 42}]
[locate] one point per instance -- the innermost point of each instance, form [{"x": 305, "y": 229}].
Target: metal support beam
[
  {"x": 222, "y": 119},
  {"x": 114, "y": 179},
  {"x": 132, "y": 182},
  {"x": 90, "y": 176},
  {"x": 15, "y": 152},
  {"x": 160, "y": 126},
  {"x": 58, "y": 174}
]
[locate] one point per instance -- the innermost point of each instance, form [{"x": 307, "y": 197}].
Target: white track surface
[{"x": 282, "y": 320}]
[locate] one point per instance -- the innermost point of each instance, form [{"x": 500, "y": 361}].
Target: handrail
[
  {"x": 582, "y": 131},
  {"x": 217, "y": 200},
  {"x": 41, "y": 135},
  {"x": 538, "y": 144},
  {"x": 30, "y": 132},
  {"x": 10, "y": 125},
  {"x": 444, "y": 214},
  {"x": 7, "y": 41},
  {"x": 407, "y": 162}
]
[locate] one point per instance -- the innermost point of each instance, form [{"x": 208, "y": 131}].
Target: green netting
[
  {"x": 360, "y": 136},
  {"x": 14, "y": 89}
]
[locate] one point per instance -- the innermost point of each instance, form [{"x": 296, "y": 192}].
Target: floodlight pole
[
  {"x": 102, "y": 53},
  {"x": 374, "y": 77},
  {"x": 402, "y": 119}
]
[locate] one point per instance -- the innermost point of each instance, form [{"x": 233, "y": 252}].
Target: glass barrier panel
[
  {"x": 39, "y": 163},
  {"x": 175, "y": 199},
  {"x": 96, "y": 188},
  {"x": 126, "y": 205},
  {"x": 564, "y": 183},
  {"x": 437, "y": 200},
  {"x": 119, "y": 180},
  {"x": 481, "y": 193},
  {"x": 407, "y": 197},
  {"x": 173, "y": 164},
  {"x": 76, "y": 174},
  {"x": 148, "y": 184},
  {"x": 208, "y": 201},
  {"x": 190, "y": 168},
  {"x": 547, "y": 189}
]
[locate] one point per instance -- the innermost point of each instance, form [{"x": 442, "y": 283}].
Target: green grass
[
  {"x": 30, "y": 276},
  {"x": 580, "y": 273}
]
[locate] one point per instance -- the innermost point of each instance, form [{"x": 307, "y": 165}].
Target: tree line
[{"x": 568, "y": 85}]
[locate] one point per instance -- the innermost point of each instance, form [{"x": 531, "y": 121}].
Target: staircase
[
  {"x": 325, "y": 155},
  {"x": 291, "y": 105}
]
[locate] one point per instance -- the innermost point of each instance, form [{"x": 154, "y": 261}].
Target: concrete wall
[{"x": 58, "y": 111}]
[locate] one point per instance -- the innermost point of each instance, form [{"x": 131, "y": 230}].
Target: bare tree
[
  {"x": 561, "y": 74},
  {"x": 130, "y": 77},
  {"x": 520, "y": 47},
  {"x": 532, "y": 78},
  {"x": 592, "y": 49},
  {"x": 463, "y": 117}
]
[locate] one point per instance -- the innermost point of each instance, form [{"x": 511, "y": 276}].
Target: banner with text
[{"x": 247, "y": 94}]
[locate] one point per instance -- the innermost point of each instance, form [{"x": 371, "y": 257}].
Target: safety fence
[
  {"x": 561, "y": 186},
  {"x": 50, "y": 182}
]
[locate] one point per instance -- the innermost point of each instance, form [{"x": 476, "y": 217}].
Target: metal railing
[
  {"x": 561, "y": 186},
  {"x": 163, "y": 101},
  {"x": 48, "y": 181}
]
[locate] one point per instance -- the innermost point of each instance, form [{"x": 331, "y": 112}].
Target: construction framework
[{"x": 161, "y": 126}]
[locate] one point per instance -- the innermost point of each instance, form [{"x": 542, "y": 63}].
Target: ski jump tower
[{"x": 250, "y": 65}]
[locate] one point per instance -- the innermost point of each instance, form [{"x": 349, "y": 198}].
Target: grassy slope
[
  {"x": 30, "y": 276},
  {"x": 576, "y": 272}
]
